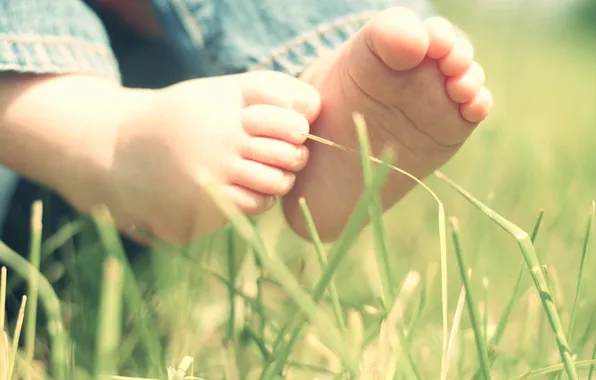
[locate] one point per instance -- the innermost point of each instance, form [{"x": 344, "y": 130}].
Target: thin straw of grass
[
  {"x": 471, "y": 303},
  {"x": 51, "y": 304},
  {"x": 376, "y": 215},
  {"x": 109, "y": 330},
  {"x": 323, "y": 262},
  {"x": 485, "y": 309},
  {"x": 33, "y": 288},
  {"x": 553, "y": 369},
  {"x": 461, "y": 301},
  {"x": 533, "y": 265},
  {"x": 16, "y": 337},
  {"x": 231, "y": 258},
  {"x": 110, "y": 239},
  {"x": 580, "y": 275},
  {"x": 442, "y": 235}
]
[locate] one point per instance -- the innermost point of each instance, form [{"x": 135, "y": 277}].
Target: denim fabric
[
  {"x": 209, "y": 37},
  {"x": 218, "y": 37}
]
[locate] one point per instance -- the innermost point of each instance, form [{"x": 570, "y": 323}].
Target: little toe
[
  {"x": 441, "y": 35},
  {"x": 463, "y": 88},
  {"x": 398, "y": 38},
  {"x": 248, "y": 201},
  {"x": 459, "y": 59},
  {"x": 478, "y": 108},
  {"x": 275, "y": 122},
  {"x": 276, "y": 153},
  {"x": 262, "y": 178}
]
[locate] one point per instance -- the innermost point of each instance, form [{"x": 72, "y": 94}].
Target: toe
[
  {"x": 398, "y": 38},
  {"x": 463, "y": 88},
  {"x": 249, "y": 202},
  {"x": 478, "y": 108},
  {"x": 275, "y": 122},
  {"x": 441, "y": 36},
  {"x": 276, "y": 153},
  {"x": 262, "y": 178},
  {"x": 459, "y": 59},
  {"x": 281, "y": 90}
]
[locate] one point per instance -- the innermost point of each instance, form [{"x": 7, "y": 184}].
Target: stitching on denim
[
  {"x": 56, "y": 40},
  {"x": 312, "y": 36}
]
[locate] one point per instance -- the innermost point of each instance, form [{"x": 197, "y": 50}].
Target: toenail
[{"x": 301, "y": 154}]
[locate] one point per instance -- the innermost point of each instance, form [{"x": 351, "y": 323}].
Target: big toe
[
  {"x": 281, "y": 90},
  {"x": 398, "y": 37}
]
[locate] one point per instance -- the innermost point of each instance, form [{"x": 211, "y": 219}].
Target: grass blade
[
  {"x": 111, "y": 241},
  {"x": 51, "y": 304},
  {"x": 16, "y": 337},
  {"x": 553, "y": 369},
  {"x": 461, "y": 301},
  {"x": 495, "y": 340},
  {"x": 580, "y": 276},
  {"x": 376, "y": 216},
  {"x": 322, "y": 257},
  {"x": 533, "y": 265},
  {"x": 32, "y": 291},
  {"x": 471, "y": 303},
  {"x": 110, "y": 321},
  {"x": 594, "y": 362},
  {"x": 231, "y": 250}
]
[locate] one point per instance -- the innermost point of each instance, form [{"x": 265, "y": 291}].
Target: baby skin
[
  {"x": 419, "y": 90},
  {"x": 142, "y": 153}
]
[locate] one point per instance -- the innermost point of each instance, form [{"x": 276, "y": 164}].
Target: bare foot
[
  {"x": 246, "y": 130},
  {"x": 419, "y": 90}
]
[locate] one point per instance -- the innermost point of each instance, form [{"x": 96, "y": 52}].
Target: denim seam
[
  {"x": 313, "y": 37},
  {"x": 98, "y": 58}
]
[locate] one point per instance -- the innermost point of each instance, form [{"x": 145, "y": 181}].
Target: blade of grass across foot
[
  {"x": 441, "y": 227},
  {"x": 337, "y": 253},
  {"x": 376, "y": 217}
]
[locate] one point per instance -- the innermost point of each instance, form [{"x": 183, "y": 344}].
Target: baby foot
[
  {"x": 419, "y": 90},
  {"x": 246, "y": 131}
]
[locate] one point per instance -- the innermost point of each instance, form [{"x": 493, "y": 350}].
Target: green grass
[{"x": 507, "y": 297}]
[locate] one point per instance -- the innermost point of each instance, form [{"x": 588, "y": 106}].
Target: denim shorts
[{"x": 206, "y": 38}]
